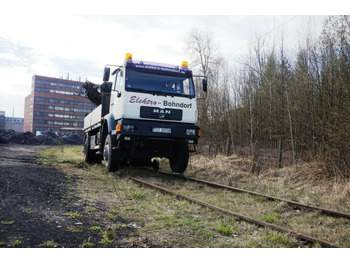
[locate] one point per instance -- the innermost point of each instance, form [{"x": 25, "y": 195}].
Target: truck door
[{"x": 117, "y": 94}]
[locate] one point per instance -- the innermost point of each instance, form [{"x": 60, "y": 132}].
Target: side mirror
[
  {"x": 106, "y": 73},
  {"x": 205, "y": 85}
]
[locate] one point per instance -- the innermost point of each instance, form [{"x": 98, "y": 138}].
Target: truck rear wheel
[
  {"x": 112, "y": 157},
  {"x": 88, "y": 154},
  {"x": 179, "y": 158}
]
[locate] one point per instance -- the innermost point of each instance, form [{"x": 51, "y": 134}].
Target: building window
[
  {"x": 61, "y": 108},
  {"x": 61, "y": 101},
  {"x": 51, "y": 83},
  {"x": 56, "y": 91}
]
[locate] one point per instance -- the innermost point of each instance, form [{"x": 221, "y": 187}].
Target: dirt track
[{"x": 35, "y": 203}]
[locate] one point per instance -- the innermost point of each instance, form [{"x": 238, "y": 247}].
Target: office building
[
  {"x": 14, "y": 123},
  {"x": 2, "y": 120},
  {"x": 55, "y": 104}
]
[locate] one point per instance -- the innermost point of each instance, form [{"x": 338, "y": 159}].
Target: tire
[
  {"x": 111, "y": 157},
  {"x": 88, "y": 154},
  {"x": 179, "y": 158},
  {"x": 155, "y": 165},
  {"x": 141, "y": 161},
  {"x": 98, "y": 158}
]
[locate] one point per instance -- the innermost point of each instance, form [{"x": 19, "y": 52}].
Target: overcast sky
[{"x": 80, "y": 45}]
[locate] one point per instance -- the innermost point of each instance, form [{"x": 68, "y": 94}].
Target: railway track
[
  {"x": 297, "y": 235},
  {"x": 240, "y": 190}
]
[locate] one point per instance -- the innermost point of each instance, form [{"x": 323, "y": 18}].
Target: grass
[
  {"x": 15, "y": 243},
  {"x": 49, "y": 243},
  {"x": 74, "y": 215},
  {"x": 107, "y": 237},
  {"x": 164, "y": 220},
  {"x": 11, "y": 222},
  {"x": 87, "y": 244},
  {"x": 224, "y": 229},
  {"x": 95, "y": 228},
  {"x": 113, "y": 211},
  {"x": 271, "y": 218}
]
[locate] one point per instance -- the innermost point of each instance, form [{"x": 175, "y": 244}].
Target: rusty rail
[
  {"x": 240, "y": 216},
  {"x": 235, "y": 189}
]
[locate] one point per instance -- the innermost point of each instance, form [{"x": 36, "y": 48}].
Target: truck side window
[
  {"x": 118, "y": 81},
  {"x": 186, "y": 86}
]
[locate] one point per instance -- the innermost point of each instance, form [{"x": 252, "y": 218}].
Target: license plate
[{"x": 161, "y": 130}]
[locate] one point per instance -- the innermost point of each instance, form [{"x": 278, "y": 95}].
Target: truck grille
[{"x": 160, "y": 113}]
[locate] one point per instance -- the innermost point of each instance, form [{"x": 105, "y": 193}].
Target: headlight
[
  {"x": 191, "y": 132},
  {"x": 128, "y": 128}
]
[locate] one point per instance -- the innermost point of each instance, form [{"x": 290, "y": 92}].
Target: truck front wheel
[
  {"x": 112, "y": 157},
  {"x": 179, "y": 158}
]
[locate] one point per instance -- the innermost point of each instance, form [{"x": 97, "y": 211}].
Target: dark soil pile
[
  {"x": 74, "y": 139},
  {"x": 36, "y": 202},
  {"x": 49, "y": 138}
]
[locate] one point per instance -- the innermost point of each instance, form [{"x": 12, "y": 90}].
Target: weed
[
  {"x": 75, "y": 229},
  {"x": 135, "y": 234},
  {"x": 152, "y": 226},
  {"x": 74, "y": 215},
  {"x": 113, "y": 211},
  {"x": 135, "y": 193},
  {"x": 15, "y": 243},
  {"x": 271, "y": 218},
  {"x": 223, "y": 229},
  {"x": 7, "y": 222},
  {"x": 194, "y": 224},
  {"x": 2, "y": 243},
  {"x": 119, "y": 225},
  {"x": 87, "y": 244},
  {"x": 175, "y": 241},
  {"x": 107, "y": 237},
  {"x": 49, "y": 243},
  {"x": 92, "y": 210},
  {"x": 110, "y": 217},
  {"x": 131, "y": 208},
  {"x": 209, "y": 234},
  {"x": 277, "y": 239},
  {"x": 95, "y": 228},
  {"x": 294, "y": 197},
  {"x": 159, "y": 217}
]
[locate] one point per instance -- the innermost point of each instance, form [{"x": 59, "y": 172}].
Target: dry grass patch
[
  {"x": 304, "y": 182},
  {"x": 163, "y": 220}
]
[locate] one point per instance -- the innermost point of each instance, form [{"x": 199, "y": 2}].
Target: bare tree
[{"x": 207, "y": 61}]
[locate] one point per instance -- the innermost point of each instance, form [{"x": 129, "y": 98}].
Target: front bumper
[{"x": 157, "y": 130}]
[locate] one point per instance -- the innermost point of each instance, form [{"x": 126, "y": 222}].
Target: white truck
[{"x": 148, "y": 110}]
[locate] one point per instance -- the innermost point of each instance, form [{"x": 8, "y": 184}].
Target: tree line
[{"x": 301, "y": 96}]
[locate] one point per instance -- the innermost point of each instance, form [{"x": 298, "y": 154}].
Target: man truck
[{"x": 147, "y": 110}]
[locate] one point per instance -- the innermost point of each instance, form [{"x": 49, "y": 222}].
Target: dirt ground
[{"x": 37, "y": 206}]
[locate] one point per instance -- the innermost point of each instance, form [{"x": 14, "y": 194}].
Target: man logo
[{"x": 161, "y": 112}]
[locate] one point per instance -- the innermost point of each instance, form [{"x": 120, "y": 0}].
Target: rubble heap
[{"x": 49, "y": 138}]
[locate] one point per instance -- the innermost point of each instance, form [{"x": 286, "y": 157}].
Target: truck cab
[{"x": 147, "y": 110}]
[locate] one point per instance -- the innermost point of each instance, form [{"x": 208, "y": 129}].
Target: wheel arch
[
  {"x": 110, "y": 121},
  {"x": 108, "y": 125}
]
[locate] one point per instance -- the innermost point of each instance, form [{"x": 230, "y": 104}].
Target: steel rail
[
  {"x": 240, "y": 216},
  {"x": 235, "y": 189}
]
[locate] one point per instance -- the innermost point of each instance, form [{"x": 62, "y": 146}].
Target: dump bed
[{"x": 93, "y": 120}]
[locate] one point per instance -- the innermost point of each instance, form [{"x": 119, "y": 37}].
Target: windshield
[{"x": 173, "y": 85}]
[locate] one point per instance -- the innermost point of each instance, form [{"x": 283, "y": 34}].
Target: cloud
[
  {"x": 14, "y": 54},
  {"x": 78, "y": 68}
]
